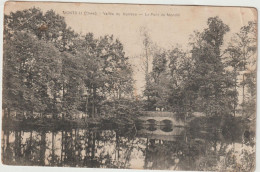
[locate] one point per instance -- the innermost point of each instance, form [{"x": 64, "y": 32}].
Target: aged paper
[{"x": 129, "y": 86}]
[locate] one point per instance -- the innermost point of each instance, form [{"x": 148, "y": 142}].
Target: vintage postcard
[{"x": 129, "y": 86}]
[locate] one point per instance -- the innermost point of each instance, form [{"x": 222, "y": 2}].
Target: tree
[
  {"x": 33, "y": 64},
  {"x": 108, "y": 72},
  {"x": 147, "y": 45},
  {"x": 47, "y": 26},
  {"x": 241, "y": 57},
  {"x": 68, "y": 72},
  {"x": 153, "y": 85},
  {"x": 209, "y": 78},
  {"x": 50, "y": 29},
  {"x": 71, "y": 81}
]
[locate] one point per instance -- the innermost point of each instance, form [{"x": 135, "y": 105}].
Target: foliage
[
  {"x": 205, "y": 79},
  {"x": 49, "y": 69}
]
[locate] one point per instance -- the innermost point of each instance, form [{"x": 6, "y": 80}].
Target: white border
[{"x": 248, "y": 3}]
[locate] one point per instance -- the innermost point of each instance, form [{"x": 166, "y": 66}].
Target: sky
[{"x": 167, "y": 25}]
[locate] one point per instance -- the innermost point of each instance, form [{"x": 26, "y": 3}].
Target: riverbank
[
  {"x": 205, "y": 124},
  {"x": 99, "y": 122},
  {"x": 229, "y": 128}
]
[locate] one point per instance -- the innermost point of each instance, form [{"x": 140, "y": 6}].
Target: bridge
[
  {"x": 161, "y": 118},
  {"x": 161, "y": 125}
]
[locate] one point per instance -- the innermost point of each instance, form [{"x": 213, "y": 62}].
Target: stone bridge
[
  {"x": 161, "y": 125},
  {"x": 160, "y": 118}
]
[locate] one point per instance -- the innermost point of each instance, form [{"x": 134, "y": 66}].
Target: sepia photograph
[{"x": 129, "y": 86}]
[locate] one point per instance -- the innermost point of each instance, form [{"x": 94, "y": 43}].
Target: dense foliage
[
  {"x": 51, "y": 70},
  {"x": 209, "y": 77}
]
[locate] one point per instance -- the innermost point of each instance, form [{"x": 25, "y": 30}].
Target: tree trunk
[
  {"x": 54, "y": 115},
  {"x": 8, "y": 113},
  {"x": 62, "y": 148},
  {"x": 94, "y": 102},
  {"x": 42, "y": 148},
  {"x": 93, "y": 150},
  {"x": 243, "y": 101},
  {"x": 63, "y": 98},
  {"x": 52, "y": 148},
  {"x": 86, "y": 109},
  {"x": 235, "y": 104}
]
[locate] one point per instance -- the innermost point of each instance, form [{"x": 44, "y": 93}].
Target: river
[{"x": 142, "y": 147}]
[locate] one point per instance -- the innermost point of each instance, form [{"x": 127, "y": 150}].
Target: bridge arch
[
  {"x": 161, "y": 121},
  {"x": 166, "y": 122},
  {"x": 151, "y": 121}
]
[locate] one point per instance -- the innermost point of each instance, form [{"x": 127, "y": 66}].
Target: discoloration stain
[{"x": 43, "y": 27}]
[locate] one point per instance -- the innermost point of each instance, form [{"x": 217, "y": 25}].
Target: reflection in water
[
  {"x": 166, "y": 128},
  {"x": 152, "y": 127},
  {"x": 166, "y": 148}
]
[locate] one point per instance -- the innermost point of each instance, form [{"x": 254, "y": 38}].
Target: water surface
[{"x": 144, "y": 147}]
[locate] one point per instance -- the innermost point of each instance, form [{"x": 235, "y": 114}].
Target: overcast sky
[{"x": 166, "y": 31}]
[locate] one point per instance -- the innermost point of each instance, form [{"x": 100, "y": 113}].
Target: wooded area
[
  {"x": 51, "y": 70},
  {"x": 210, "y": 77}
]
